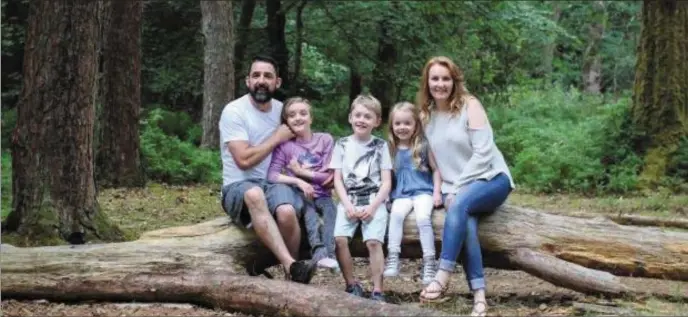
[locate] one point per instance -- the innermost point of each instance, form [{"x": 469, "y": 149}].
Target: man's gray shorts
[{"x": 276, "y": 195}]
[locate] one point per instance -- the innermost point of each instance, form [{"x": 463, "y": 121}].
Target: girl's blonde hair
[
  {"x": 459, "y": 93},
  {"x": 288, "y": 103},
  {"x": 418, "y": 142}
]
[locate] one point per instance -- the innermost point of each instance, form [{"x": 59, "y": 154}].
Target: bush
[
  {"x": 561, "y": 140},
  {"x": 6, "y": 183},
  {"x": 169, "y": 154}
]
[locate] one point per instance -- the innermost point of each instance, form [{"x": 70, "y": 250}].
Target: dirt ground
[{"x": 510, "y": 293}]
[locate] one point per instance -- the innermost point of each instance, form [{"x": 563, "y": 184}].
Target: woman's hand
[{"x": 448, "y": 201}]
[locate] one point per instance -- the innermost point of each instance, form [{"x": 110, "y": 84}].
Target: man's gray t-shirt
[{"x": 241, "y": 121}]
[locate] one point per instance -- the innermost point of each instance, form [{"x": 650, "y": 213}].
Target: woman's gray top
[{"x": 463, "y": 154}]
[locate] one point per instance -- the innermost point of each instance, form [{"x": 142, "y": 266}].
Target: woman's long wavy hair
[
  {"x": 418, "y": 142},
  {"x": 459, "y": 93}
]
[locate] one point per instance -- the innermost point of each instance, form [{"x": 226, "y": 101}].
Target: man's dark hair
[{"x": 266, "y": 59}]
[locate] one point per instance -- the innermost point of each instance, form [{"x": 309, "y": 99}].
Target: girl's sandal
[
  {"x": 440, "y": 294},
  {"x": 479, "y": 312}
]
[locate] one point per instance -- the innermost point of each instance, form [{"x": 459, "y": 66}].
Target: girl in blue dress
[{"x": 416, "y": 188}]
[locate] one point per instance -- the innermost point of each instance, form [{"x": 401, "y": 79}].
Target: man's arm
[{"x": 247, "y": 156}]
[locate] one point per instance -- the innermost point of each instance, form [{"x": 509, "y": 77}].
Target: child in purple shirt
[{"x": 303, "y": 162}]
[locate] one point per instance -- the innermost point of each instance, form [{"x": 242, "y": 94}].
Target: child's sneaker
[
  {"x": 355, "y": 289},
  {"x": 328, "y": 263},
  {"x": 392, "y": 268},
  {"x": 378, "y": 296},
  {"x": 429, "y": 269}
]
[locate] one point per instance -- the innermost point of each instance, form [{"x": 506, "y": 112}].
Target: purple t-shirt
[{"x": 314, "y": 155}]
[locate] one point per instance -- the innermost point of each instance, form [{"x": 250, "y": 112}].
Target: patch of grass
[
  {"x": 654, "y": 204},
  {"x": 159, "y": 206},
  {"x": 658, "y": 307}
]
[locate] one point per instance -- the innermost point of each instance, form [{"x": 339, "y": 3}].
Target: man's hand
[
  {"x": 307, "y": 189},
  {"x": 283, "y": 133},
  {"x": 368, "y": 213}
]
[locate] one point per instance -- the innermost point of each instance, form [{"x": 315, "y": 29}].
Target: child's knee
[
  {"x": 423, "y": 220},
  {"x": 342, "y": 242},
  {"x": 374, "y": 245}
]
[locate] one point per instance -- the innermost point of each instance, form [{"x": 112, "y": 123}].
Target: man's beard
[{"x": 261, "y": 94}]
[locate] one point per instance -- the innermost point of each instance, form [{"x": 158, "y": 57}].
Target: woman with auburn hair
[{"x": 475, "y": 177}]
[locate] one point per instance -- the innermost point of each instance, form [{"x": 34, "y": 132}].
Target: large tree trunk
[
  {"x": 180, "y": 264},
  {"x": 218, "y": 86},
  {"x": 276, "y": 21},
  {"x": 53, "y": 182},
  {"x": 592, "y": 59},
  {"x": 547, "y": 66},
  {"x": 118, "y": 158},
  {"x": 660, "y": 94},
  {"x": 241, "y": 44},
  {"x": 382, "y": 84},
  {"x": 298, "y": 49}
]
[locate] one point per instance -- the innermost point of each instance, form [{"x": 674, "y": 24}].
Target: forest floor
[{"x": 510, "y": 293}]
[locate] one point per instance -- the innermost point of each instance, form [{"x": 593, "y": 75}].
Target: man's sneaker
[
  {"x": 355, "y": 289},
  {"x": 328, "y": 263},
  {"x": 302, "y": 271},
  {"x": 392, "y": 267},
  {"x": 378, "y": 296},
  {"x": 429, "y": 269}
]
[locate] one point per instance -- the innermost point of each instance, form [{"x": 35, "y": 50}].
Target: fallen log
[
  {"x": 210, "y": 288},
  {"x": 571, "y": 252},
  {"x": 637, "y": 220}
]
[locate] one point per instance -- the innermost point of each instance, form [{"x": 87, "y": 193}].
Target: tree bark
[
  {"x": 218, "y": 87},
  {"x": 53, "y": 182},
  {"x": 547, "y": 66},
  {"x": 298, "y": 49},
  {"x": 566, "y": 251},
  {"x": 240, "y": 46},
  {"x": 382, "y": 84},
  {"x": 660, "y": 92},
  {"x": 276, "y": 21},
  {"x": 592, "y": 59},
  {"x": 118, "y": 158}
]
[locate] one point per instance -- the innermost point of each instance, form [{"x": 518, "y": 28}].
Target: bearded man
[{"x": 249, "y": 130}]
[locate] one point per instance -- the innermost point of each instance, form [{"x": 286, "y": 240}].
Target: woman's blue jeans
[{"x": 479, "y": 198}]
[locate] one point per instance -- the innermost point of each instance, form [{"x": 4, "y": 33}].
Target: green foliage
[
  {"x": 561, "y": 140},
  {"x": 6, "y": 188},
  {"x": 677, "y": 169},
  {"x": 173, "y": 159},
  {"x": 172, "y": 53},
  {"x": 9, "y": 121}
]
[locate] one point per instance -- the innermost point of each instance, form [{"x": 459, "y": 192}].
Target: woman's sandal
[
  {"x": 440, "y": 298},
  {"x": 479, "y": 312}
]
